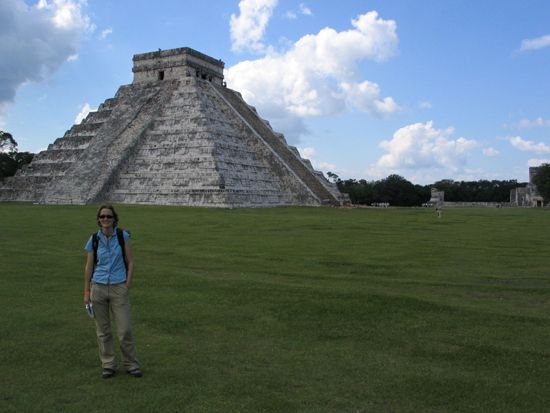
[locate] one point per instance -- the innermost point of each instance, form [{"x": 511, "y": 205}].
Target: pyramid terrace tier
[{"x": 182, "y": 138}]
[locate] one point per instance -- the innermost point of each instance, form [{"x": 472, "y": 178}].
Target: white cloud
[
  {"x": 534, "y": 123},
  {"x": 306, "y": 153},
  {"x": 528, "y": 146},
  {"x": 291, "y": 15},
  {"x": 434, "y": 174},
  {"x": 364, "y": 96},
  {"x": 83, "y": 113},
  {"x": 317, "y": 75},
  {"x": 535, "y": 44},
  {"x": 67, "y": 14},
  {"x": 106, "y": 33},
  {"x": 72, "y": 57},
  {"x": 537, "y": 162},
  {"x": 36, "y": 40},
  {"x": 424, "y": 105},
  {"x": 248, "y": 28},
  {"x": 420, "y": 148},
  {"x": 324, "y": 166},
  {"x": 490, "y": 152},
  {"x": 305, "y": 10},
  {"x": 309, "y": 153}
]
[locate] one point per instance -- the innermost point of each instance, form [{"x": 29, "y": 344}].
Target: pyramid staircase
[{"x": 175, "y": 136}]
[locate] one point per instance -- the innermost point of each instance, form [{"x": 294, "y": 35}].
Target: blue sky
[{"x": 446, "y": 89}]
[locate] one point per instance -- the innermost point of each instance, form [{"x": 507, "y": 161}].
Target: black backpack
[{"x": 120, "y": 237}]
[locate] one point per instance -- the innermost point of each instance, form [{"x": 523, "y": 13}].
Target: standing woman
[{"x": 107, "y": 281}]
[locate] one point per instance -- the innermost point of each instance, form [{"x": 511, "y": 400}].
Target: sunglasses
[{"x": 105, "y": 216}]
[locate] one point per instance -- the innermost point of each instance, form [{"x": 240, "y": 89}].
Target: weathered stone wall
[
  {"x": 91, "y": 177},
  {"x": 198, "y": 153},
  {"x": 448, "y": 204},
  {"x": 527, "y": 196},
  {"x": 176, "y": 64},
  {"x": 180, "y": 140},
  {"x": 47, "y": 167},
  {"x": 280, "y": 149}
]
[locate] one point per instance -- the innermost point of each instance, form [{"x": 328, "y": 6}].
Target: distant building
[
  {"x": 437, "y": 198},
  {"x": 527, "y": 196}
]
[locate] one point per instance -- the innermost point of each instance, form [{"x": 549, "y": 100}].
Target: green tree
[
  {"x": 397, "y": 191},
  {"x": 476, "y": 191},
  {"x": 542, "y": 181},
  {"x": 10, "y": 159},
  {"x": 7, "y": 143},
  {"x": 360, "y": 192},
  {"x": 333, "y": 176},
  {"x": 8, "y": 166}
]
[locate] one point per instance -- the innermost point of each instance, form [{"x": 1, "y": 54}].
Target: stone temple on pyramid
[{"x": 175, "y": 136}]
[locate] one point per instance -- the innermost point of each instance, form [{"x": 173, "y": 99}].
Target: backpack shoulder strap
[
  {"x": 122, "y": 243},
  {"x": 95, "y": 245}
]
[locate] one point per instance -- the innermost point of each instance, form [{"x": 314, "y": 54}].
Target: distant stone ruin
[
  {"x": 175, "y": 136},
  {"x": 437, "y": 198},
  {"x": 527, "y": 196}
]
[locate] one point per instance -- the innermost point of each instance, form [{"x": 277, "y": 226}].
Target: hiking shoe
[
  {"x": 107, "y": 373},
  {"x": 135, "y": 373}
]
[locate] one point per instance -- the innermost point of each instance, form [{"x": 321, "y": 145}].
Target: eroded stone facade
[
  {"x": 527, "y": 196},
  {"x": 175, "y": 136}
]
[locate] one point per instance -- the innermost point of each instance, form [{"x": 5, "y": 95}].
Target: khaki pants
[{"x": 113, "y": 300}]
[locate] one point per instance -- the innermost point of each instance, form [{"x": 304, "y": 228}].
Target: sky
[{"x": 427, "y": 89}]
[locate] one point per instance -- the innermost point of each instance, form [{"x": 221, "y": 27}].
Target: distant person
[{"x": 107, "y": 280}]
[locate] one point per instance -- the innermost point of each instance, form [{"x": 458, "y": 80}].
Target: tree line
[
  {"x": 542, "y": 181},
  {"x": 394, "y": 190},
  {"x": 10, "y": 158},
  {"x": 398, "y": 191}
]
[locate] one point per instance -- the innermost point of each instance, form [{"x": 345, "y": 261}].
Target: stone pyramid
[{"x": 175, "y": 136}]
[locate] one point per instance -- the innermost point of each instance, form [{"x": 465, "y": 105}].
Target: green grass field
[{"x": 285, "y": 310}]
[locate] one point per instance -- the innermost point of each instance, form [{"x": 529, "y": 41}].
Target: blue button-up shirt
[{"x": 110, "y": 267}]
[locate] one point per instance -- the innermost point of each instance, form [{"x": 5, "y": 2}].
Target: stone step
[
  {"x": 175, "y": 140},
  {"x": 283, "y": 151}
]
